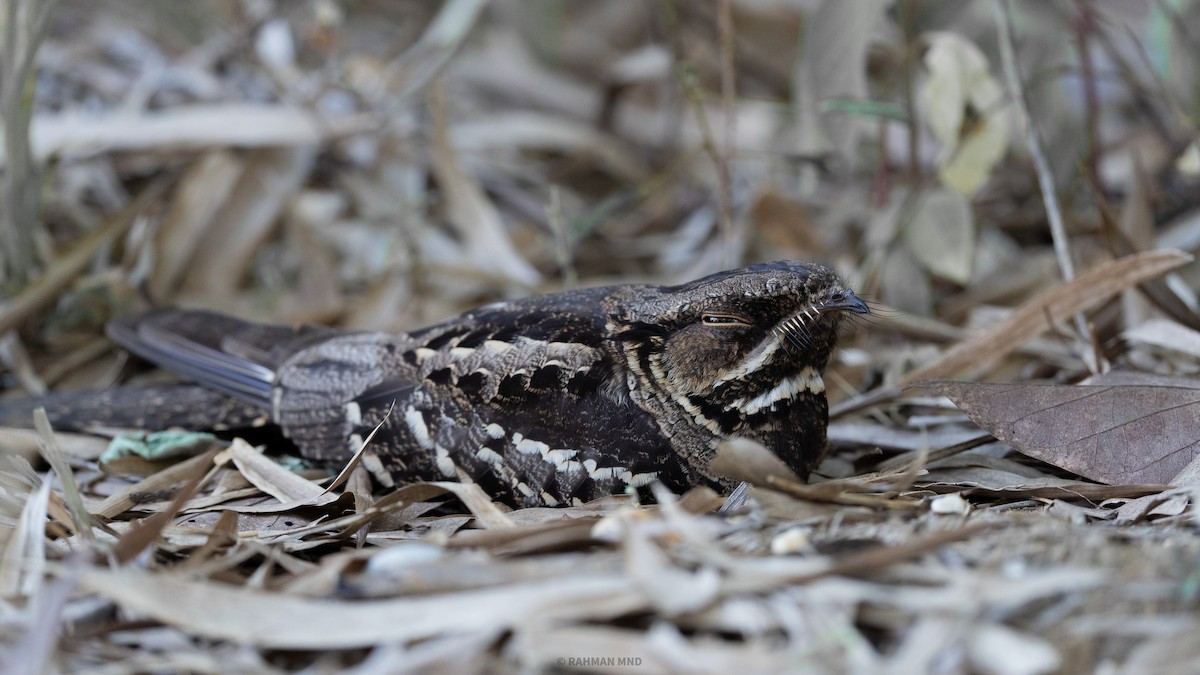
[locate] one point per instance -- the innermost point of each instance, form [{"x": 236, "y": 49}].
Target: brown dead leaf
[
  {"x": 1050, "y": 488},
  {"x": 1110, "y": 430},
  {"x": 564, "y": 535},
  {"x": 168, "y": 478},
  {"x": 750, "y": 461}
]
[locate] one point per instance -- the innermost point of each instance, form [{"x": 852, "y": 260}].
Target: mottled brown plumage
[{"x": 545, "y": 400}]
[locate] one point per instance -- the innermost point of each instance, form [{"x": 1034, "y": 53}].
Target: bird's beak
[{"x": 849, "y": 302}]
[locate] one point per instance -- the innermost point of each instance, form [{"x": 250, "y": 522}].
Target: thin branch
[
  {"x": 724, "y": 174},
  {"x": 1058, "y": 232},
  {"x": 1085, "y": 26}
]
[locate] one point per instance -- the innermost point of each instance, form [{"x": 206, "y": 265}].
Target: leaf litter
[{"x": 383, "y": 166}]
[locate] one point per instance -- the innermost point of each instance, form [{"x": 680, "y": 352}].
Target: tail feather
[{"x": 220, "y": 352}]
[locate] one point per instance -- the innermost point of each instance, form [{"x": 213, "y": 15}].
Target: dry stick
[
  {"x": 691, "y": 90},
  {"x": 724, "y": 175},
  {"x": 1159, "y": 92},
  {"x": 1045, "y": 180},
  {"x": 562, "y": 239},
  {"x": 906, "y": 13},
  {"x": 815, "y": 493},
  {"x": 1089, "y": 289},
  {"x": 1084, "y": 28},
  {"x": 979, "y": 351}
]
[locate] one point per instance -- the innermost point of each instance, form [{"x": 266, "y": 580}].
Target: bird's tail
[{"x": 216, "y": 351}]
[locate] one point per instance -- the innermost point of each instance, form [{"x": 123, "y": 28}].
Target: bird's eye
[{"x": 724, "y": 320}]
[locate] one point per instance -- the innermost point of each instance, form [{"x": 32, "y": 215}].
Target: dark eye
[{"x": 724, "y": 320}]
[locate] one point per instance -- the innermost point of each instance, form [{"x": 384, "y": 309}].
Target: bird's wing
[{"x": 519, "y": 396}]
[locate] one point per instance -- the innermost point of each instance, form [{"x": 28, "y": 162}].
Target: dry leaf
[
  {"x": 1109, "y": 431},
  {"x": 942, "y": 235},
  {"x": 250, "y": 617},
  {"x": 267, "y": 475},
  {"x": 750, "y": 461},
  {"x": 960, "y": 83},
  {"x": 471, "y": 212},
  {"x": 1166, "y": 333},
  {"x": 999, "y": 650},
  {"x": 199, "y": 126}
]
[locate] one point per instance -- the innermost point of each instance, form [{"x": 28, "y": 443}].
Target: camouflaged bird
[{"x": 548, "y": 400}]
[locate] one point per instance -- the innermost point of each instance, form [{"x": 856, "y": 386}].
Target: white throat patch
[{"x": 807, "y": 379}]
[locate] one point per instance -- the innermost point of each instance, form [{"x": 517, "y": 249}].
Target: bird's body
[{"x": 543, "y": 401}]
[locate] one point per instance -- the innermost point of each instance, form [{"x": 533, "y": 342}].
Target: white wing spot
[
  {"x": 444, "y": 463},
  {"x": 494, "y": 431},
  {"x": 496, "y": 346},
  {"x": 642, "y": 479},
  {"x": 416, "y": 424},
  {"x": 489, "y": 455},
  {"x": 531, "y": 447},
  {"x": 604, "y": 472},
  {"x": 353, "y": 413},
  {"x": 557, "y": 457}
]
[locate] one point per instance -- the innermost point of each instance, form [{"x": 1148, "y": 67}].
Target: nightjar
[{"x": 547, "y": 400}]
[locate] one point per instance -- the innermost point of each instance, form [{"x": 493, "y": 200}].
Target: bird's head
[{"x": 740, "y": 352}]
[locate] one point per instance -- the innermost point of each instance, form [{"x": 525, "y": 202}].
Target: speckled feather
[{"x": 546, "y": 400}]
